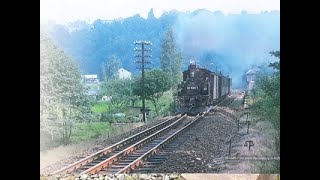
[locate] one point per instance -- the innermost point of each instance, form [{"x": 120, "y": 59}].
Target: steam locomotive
[{"x": 201, "y": 88}]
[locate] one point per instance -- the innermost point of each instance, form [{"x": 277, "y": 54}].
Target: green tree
[
  {"x": 62, "y": 95},
  {"x": 109, "y": 68},
  {"x": 156, "y": 83},
  {"x": 267, "y": 95},
  {"x": 102, "y": 72},
  {"x": 275, "y": 65},
  {"x": 171, "y": 58},
  {"x": 119, "y": 90}
]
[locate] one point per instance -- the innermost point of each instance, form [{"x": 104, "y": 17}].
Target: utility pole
[{"x": 142, "y": 53}]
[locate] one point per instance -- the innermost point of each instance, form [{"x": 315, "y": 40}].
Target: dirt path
[{"x": 262, "y": 153}]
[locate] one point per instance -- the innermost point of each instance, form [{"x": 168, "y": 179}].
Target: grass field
[
  {"x": 100, "y": 107},
  {"x": 84, "y": 131}
]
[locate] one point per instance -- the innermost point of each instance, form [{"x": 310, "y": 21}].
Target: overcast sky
[{"x": 62, "y": 11}]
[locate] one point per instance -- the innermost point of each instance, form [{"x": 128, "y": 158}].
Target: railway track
[
  {"x": 90, "y": 161},
  {"x": 163, "y": 154},
  {"x": 145, "y": 149},
  {"x": 148, "y": 156},
  {"x": 133, "y": 152},
  {"x": 117, "y": 162}
]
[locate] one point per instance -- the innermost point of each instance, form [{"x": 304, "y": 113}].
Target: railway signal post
[
  {"x": 230, "y": 148},
  {"x": 142, "y": 55},
  {"x": 249, "y": 143}
]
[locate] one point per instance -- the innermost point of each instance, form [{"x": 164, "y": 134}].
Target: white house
[{"x": 124, "y": 74}]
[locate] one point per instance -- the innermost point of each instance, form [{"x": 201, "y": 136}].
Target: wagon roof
[{"x": 203, "y": 69}]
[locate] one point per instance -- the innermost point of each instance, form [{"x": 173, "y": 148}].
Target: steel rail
[
  {"x": 76, "y": 165},
  {"x": 144, "y": 158},
  {"x": 102, "y": 165}
]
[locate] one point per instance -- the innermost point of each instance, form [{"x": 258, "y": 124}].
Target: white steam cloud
[{"x": 239, "y": 41}]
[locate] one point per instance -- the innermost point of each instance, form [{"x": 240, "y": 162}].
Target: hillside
[{"x": 227, "y": 43}]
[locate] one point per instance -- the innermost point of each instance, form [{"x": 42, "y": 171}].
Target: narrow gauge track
[
  {"x": 141, "y": 156},
  {"x": 90, "y": 161},
  {"x": 163, "y": 154},
  {"x": 154, "y": 152},
  {"x": 142, "y": 149}
]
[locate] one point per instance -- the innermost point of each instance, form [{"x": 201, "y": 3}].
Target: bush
[
  {"x": 266, "y": 97},
  {"x": 85, "y": 131}
]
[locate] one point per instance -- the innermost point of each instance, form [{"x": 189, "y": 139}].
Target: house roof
[{"x": 90, "y": 76}]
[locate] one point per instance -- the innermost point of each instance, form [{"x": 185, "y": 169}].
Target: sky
[{"x": 62, "y": 11}]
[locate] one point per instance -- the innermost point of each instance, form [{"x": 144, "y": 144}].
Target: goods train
[{"x": 201, "y": 88}]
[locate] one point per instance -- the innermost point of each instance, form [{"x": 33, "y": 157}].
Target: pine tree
[
  {"x": 171, "y": 58},
  {"x": 109, "y": 68}
]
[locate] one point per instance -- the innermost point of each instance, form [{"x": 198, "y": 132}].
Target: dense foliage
[
  {"x": 108, "y": 68},
  {"x": 62, "y": 95},
  {"x": 266, "y": 97},
  {"x": 92, "y": 44},
  {"x": 227, "y": 43},
  {"x": 119, "y": 91},
  {"x": 156, "y": 83}
]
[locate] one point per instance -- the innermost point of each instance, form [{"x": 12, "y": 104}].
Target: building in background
[
  {"x": 124, "y": 74},
  {"x": 91, "y": 82},
  {"x": 251, "y": 75},
  {"x": 90, "y": 79}
]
